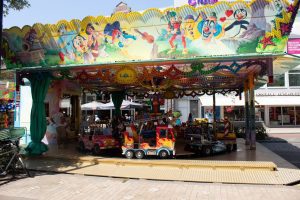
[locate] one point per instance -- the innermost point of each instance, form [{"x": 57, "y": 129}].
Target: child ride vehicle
[
  {"x": 162, "y": 147},
  {"x": 225, "y": 133},
  {"x": 97, "y": 140},
  {"x": 198, "y": 139}
]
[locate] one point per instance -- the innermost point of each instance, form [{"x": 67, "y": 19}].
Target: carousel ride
[{"x": 186, "y": 51}]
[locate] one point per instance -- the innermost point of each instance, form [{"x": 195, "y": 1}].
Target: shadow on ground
[{"x": 284, "y": 149}]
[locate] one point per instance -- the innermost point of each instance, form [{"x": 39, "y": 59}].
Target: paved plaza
[
  {"x": 286, "y": 145},
  {"x": 66, "y": 186}
]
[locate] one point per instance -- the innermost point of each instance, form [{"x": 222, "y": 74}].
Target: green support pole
[
  {"x": 117, "y": 98},
  {"x": 39, "y": 83}
]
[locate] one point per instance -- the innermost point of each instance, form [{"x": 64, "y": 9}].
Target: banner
[
  {"x": 293, "y": 46},
  {"x": 219, "y": 30}
]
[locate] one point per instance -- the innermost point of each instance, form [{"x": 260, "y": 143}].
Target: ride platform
[{"x": 244, "y": 166}]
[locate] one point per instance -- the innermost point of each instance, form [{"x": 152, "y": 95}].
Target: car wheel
[
  {"x": 163, "y": 154},
  {"x": 234, "y": 147},
  {"x": 229, "y": 148},
  {"x": 187, "y": 147},
  {"x": 96, "y": 150},
  {"x": 139, "y": 154},
  {"x": 206, "y": 150},
  {"x": 129, "y": 154}
]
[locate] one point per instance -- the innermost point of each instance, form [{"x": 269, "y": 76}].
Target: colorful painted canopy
[{"x": 217, "y": 31}]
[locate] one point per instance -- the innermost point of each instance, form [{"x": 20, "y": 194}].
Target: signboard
[
  {"x": 219, "y": 30},
  {"x": 201, "y": 2},
  {"x": 293, "y": 46}
]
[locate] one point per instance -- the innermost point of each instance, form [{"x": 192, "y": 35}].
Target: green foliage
[
  {"x": 52, "y": 52},
  {"x": 176, "y": 54},
  {"x": 15, "y": 5},
  {"x": 248, "y": 47},
  {"x": 260, "y": 131},
  {"x": 11, "y": 65},
  {"x": 279, "y": 45},
  {"x": 176, "y": 114},
  {"x": 51, "y": 59}
]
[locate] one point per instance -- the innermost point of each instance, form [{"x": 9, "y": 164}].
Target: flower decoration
[{"x": 266, "y": 41}]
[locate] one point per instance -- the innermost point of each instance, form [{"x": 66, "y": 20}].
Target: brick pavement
[{"x": 65, "y": 186}]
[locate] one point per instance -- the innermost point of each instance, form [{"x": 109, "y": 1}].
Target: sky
[{"x": 51, "y": 11}]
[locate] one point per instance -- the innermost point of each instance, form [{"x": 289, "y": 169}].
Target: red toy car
[{"x": 97, "y": 141}]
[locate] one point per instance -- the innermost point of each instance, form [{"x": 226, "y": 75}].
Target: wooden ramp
[{"x": 247, "y": 172}]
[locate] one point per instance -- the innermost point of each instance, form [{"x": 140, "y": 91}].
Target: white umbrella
[
  {"x": 94, "y": 105},
  {"x": 125, "y": 105}
]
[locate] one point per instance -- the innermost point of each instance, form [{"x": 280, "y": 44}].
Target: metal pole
[
  {"x": 252, "y": 113},
  {"x": 15, "y": 100},
  {"x": 252, "y": 121},
  {"x": 214, "y": 106},
  {"x": 214, "y": 112},
  {"x": 247, "y": 117}
]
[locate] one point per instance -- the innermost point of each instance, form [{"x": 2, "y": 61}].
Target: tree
[
  {"x": 5, "y": 6},
  {"x": 14, "y": 4}
]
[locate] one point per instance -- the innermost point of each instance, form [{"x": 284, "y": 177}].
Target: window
[
  {"x": 284, "y": 116},
  {"x": 294, "y": 78},
  {"x": 163, "y": 133},
  {"x": 274, "y": 113},
  {"x": 288, "y": 116},
  {"x": 90, "y": 98},
  {"x": 278, "y": 81},
  {"x": 297, "y": 115}
]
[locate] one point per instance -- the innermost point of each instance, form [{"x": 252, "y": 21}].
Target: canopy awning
[
  {"x": 263, "y": 101},
  {"x": 125, "y": 105},
  {"x": 94, "y": 105},
  {"x": 221, "y": 101}
]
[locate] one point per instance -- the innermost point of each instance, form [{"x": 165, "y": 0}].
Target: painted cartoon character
[
  {"x": 278, "y": 8},
  {"x": 93, "y": 37},
  {"x": 115, "y": 32},
  {"x": 210, "y": 28},
  {"x": 192, "y": 2},
  {"x": 205, "y": 2},
  {"x": 65, "y": 43},
  {"x": 190, "y": 27},
  {"x": 174, "y": 28},
  {"x": 240, "y": 23},
  {"x": 31, "y": 40},
  {"x": 81, "y": 46}
]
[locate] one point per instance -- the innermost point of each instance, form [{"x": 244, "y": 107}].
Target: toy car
[
  {"x": 162, "y": 144},
  {"x": 97, "y": 141},
  {"x": 228, "y": 139}
]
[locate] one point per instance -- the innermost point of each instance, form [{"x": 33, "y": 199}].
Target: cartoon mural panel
[{"x": 221, "y": 29}]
